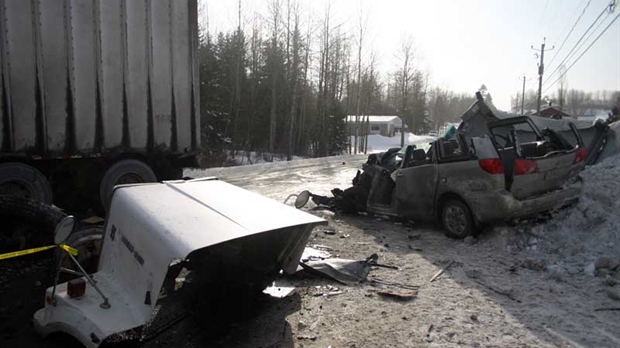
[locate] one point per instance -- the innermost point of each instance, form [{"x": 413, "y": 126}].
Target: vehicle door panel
[{"x": 415, "y": 191}]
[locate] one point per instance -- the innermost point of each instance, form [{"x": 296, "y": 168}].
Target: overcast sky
[{"x": 465, "y": 43}]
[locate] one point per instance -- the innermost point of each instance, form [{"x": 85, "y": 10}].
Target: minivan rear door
[{"x": 536, "y": 162}]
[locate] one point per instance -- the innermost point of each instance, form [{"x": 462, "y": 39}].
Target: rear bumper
[{"x": 501, "y": 205}]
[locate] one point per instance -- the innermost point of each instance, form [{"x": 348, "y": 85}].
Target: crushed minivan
[
  {"x": 515, "y": 170},
  {"x": 169, "y": 248}
]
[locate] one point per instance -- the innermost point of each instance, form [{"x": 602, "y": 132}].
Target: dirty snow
[
  {"x": 591, "y": 229},
  {"x": 380, "y": 143}
]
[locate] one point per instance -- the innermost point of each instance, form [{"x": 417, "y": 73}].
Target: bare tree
[
  {"x": 360, "y": 45},
  {"x": 254, "y": 60},
  {"x": 562, "y": 88},
  {"x": 274, "y": 8},
  {"x": 371, "y": 89},
  {"x": 240, "y": 55},
  {"x": 296, "y": 40},
  {"x": 406, "y": 72}
]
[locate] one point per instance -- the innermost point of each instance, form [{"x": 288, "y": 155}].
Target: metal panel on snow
[
  {"x": 84, "y": 83},
  {"x": 54, "y": 63},
  {"x": 161, "y": 81},
  {"x": 137, "y": 72},
  {"x": 181, "y": 68},
  {"x": 22, "y": 66},
  {"x": 112, "y": 58}
]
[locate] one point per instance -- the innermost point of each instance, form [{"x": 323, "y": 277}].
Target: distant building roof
[
  {"x": 552, "y": 112},
  {"x": 395, "y": 120}
]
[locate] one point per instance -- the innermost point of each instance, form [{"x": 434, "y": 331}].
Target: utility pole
[
  {"x": 541, "y": 70},
  {"x": 523, "y": 95}
]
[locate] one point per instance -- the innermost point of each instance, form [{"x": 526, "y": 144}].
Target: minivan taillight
[
  {"x": 524, "y": 167},
  {"x": 581, "y": 155},
  {"x": 492, "y": 165}
]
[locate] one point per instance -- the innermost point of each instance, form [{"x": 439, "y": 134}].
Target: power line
[
  {"x": 579, "y": 41},
  {"x": 578, "y": 58},
  {"x": 588, "y": 38},
  {"x": 582, "y": 53},
  {"x": 570, "y": 32}
]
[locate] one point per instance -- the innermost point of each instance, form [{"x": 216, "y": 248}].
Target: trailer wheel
[
  {"x": 22, "y": 180},
  {"x": 128, "y": 171},
  {"x": 124, "y": 172},
  {"x": 457, "y": 220}
]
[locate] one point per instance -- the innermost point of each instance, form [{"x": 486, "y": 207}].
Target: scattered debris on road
[
  {"x": 441, "y": 271},
  {"x": 340, "y": 270},
  {"x": 280, "y": 288}
]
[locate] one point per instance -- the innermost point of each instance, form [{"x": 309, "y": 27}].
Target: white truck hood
[{"x": 152, "y": 226}]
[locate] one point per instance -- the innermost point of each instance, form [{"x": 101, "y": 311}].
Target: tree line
[
  {"x": 283, "y": 82},
  {"x": 574, "y": 102}
]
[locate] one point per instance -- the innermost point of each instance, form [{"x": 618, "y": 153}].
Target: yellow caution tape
[
  {"x": 64, "y": 247},
  {"x": 69, "y": 249}
]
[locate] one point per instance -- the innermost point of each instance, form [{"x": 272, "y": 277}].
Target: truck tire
[
  {"x": 128, "y": 171},
  {"x": 36, "y": 222},
  {"x": 457, "y": 219},
  {"x": 22, "y": 180}
]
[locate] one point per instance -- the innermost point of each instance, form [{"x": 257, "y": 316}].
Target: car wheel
[
  {"x": 22, "y": 180},
  {"x": 124, "y": 172},
  {"x": 457, "y": 220}
]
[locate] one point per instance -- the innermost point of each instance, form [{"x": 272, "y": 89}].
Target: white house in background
[{"x": 384, "y": 125}]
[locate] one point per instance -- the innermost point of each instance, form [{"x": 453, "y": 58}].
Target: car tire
[
  {"x": 128, "y": 171},
  {"x": 22, "y": 180},
  {"x": 457, "y": 219}
]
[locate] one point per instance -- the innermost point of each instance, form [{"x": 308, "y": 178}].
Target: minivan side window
[{"x": 452, "y": 149}]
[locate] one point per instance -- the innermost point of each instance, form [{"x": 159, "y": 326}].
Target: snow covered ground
[
  {"x": 380, "y": 143},
  {"x": 376, "y": 143},
  {"x": 250, "y": 158}
]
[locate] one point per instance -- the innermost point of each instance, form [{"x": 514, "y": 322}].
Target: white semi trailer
[{"x": 94, "y": 94}]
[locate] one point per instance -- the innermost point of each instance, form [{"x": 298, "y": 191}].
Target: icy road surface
[{"x": 280, "y": 179}]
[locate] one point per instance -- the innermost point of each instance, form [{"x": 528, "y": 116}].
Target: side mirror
[
  {"x": 302, "y": 199},
  {"x": 64, "y": 229}
]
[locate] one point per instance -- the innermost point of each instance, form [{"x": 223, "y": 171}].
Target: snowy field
[{"x": 380, "y": 143}]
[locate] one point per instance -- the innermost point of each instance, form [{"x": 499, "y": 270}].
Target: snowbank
[
  {"x": 591, "y": 229},
  {"x": 380, "y": 143}
]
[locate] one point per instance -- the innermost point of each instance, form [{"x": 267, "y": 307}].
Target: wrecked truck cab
[{"x": 228, "y": 238}]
